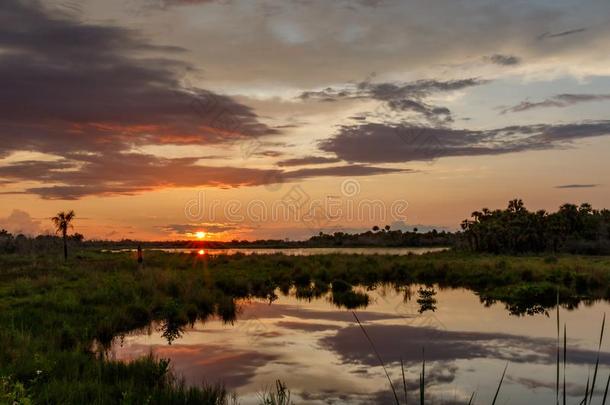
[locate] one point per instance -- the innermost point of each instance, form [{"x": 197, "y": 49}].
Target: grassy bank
[{"x": 51, "y": 312}]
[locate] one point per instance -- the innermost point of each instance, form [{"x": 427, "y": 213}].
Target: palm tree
[{"x": 63, "y": 221}]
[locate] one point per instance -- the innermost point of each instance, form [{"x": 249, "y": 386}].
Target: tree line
[
  {"x": 386, "y": 237},
  {"x": 514, "y": 230}
]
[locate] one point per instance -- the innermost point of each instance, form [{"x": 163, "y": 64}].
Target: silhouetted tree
[{"x": 63, "y": 221}]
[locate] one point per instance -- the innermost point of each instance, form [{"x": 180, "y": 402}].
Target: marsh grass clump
[
  {"x": 278, "y": 395},
  {"x": 13, "y": 392}
]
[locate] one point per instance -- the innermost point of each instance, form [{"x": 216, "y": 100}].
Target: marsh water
[
  {"x": 321, "y": 353},
  {"x": 400, "y": 251}
]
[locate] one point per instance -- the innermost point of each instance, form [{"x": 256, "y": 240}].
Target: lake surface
[
  {"x": 321, "y": 353},
  {"x": 303, "y": 251}
]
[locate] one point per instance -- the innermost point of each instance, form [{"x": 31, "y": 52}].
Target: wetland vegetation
[{"x": 52, "y": 312}]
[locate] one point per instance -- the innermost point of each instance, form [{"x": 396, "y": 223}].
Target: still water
[
  {"x": 400, "y": 251},
  {"x": 321, "y": 353}
]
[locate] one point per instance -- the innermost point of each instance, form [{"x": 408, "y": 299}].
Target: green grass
[{"x": 51, "y": 312}]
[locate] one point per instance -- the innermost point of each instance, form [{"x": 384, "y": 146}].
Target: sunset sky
[{"x": 158, "y": 119}]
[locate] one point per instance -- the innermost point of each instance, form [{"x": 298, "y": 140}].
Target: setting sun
[{"x": 200, "y": 235}]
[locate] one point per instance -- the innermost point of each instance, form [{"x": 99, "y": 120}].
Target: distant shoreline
[{"x": 295, "y": 251}]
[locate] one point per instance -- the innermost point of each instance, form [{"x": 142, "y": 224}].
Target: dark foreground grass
[{"x": 51, "y": 312}]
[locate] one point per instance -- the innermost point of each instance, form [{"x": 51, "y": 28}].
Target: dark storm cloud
[
  {"x": 560, "y": 100},
  {"x": 71, "y": 88},
  {"x": 504, "y": 60},
  {"x": 398, "y": 97},
  {"x": 562, "y": 33},
  {"x": 381, "y": 143},
  {"x": 126, "y": 173},
  {"x": 390, "y": 91},
  {"x": 131, "y": 173},
  {"x": 578, "y": 186},
  {"x": 92, "y": 94},
  {"x": 307, "y": 160},
  {"x": 348, "y": 170},
  {"x": 105, "y": 82}
]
